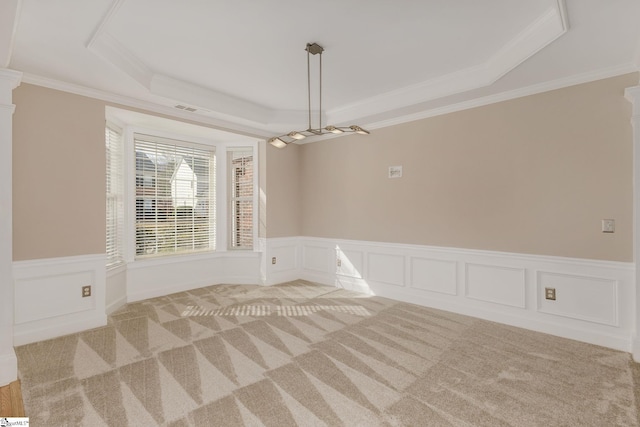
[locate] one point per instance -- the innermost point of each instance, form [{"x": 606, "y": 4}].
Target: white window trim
[
  {"x": 122, "y": 261},
  {"x": 254, "y": 198},
  {"x": 222, "y": 227}
]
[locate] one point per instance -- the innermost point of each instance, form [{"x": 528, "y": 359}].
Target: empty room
[{"x": 295, "y": 213}]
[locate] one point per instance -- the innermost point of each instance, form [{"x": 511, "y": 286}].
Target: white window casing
[
  {"x": 168, "y": 195},
  {"x": 175, "y": 197},
  {"x": 240, "y": 195},
  {"x": 115, "y": 198}
]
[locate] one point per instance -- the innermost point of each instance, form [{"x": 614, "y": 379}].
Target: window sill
[{"x": 175, "y": 259}]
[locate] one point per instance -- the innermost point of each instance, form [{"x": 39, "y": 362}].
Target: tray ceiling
[{"x": 243, "y": 63}]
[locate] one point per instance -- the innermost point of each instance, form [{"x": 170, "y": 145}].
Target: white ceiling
[{"x": 242, "y": 65}]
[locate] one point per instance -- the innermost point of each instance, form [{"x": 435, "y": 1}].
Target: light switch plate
[
  {"x": 608, "y": 225},
  {"x": 395, "y": 171}
]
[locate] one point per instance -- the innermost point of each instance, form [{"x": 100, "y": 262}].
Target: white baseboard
[
  {"x": 116, "y": 304},
  {"x": 57, "y": 326},
  {"x": 617, "y": 340},
  {"x": 282, "y": 260},
  {"x": 48, "y": 296},
  {"x": 116, "y": 288},
  {"x": 636, "y": 349},
  {"x": 594, "y": 299},
  {"x": 8, "y": 366}
]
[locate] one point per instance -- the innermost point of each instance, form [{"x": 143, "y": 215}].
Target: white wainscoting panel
[
  {"x": 351, "y": 263},
  {"x": 434, "y": 275},
  {"x": 579, "y": 297},
  {"x": 156, "y": 277},
  {"x": 500, "y": 285},
  {"x": 63, "y": 288},
  {"x": 286, "y": 258},
  {"x": 287, "y": 253},
  {"x": 48, "y": 297},
  {"x": 116, "y": 289},
  {"x": 316, "y": 258},
  {"x": 595, "y": 299},
  {"x": 388, "y": 269}
]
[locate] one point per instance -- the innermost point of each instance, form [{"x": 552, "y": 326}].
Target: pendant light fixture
[{"x": 286, "y": 139}]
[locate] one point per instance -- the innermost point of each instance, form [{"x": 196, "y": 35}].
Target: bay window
[{"x": 170, "y": 204}]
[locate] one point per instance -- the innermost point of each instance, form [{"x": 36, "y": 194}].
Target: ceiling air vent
[{"x": 182, "y": 107}]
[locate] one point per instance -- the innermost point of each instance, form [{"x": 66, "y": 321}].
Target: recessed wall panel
[
  {"x": 386, "y": 268},
  {"x": 580, "y": 297},
  {"x": 434, "y": 275},
  {"x": 497, "y": 284},
  {"x": 351, "y": 263},
  {"x": 50, "y": 296},
  {"x": 315, "y": 258},
  {"x": 285, "y": 258}
]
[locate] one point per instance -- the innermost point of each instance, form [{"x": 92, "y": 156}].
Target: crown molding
[
  {"x": 210, "y": 100},
  {"x": 112, "y": 51},
  {"x": 505, "y": 96},
  {"x": 264, "y": 133},
  {"x": 546, "y": 28},
  {"x": 9, "y": 80},
  {"x": 104, "y": 22},
  {"x": 146, "y": 105},
  {"x": 11, "y": 77},
  {"x": 176, "y": 91},
  {"x": 543, "y": 31},
  {"x": 108, "y": 48}
]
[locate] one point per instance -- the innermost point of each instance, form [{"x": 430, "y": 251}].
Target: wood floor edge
[{"x": 11, "y": 404}]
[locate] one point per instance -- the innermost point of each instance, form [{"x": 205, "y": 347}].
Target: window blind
[
  {"x": 115, "y": 196},
  {"x": 241, "y": 168},
  {"x": 175, "y": 197}
]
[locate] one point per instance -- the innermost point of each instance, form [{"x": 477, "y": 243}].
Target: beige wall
[
  {"x": 58, "y": 174},
  {"x": 59, "y": 177},
  {"x": 283, "y": 192},
  {"x": 532, "y": 175}
]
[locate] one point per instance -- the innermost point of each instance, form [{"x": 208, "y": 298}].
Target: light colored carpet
[{"x": 233, "y": 355}]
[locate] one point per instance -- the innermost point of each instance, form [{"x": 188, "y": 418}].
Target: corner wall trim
[{"x": 632, "y": 94}]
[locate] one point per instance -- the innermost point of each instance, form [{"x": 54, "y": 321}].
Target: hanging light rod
[{"x": 286, "y": 139}]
